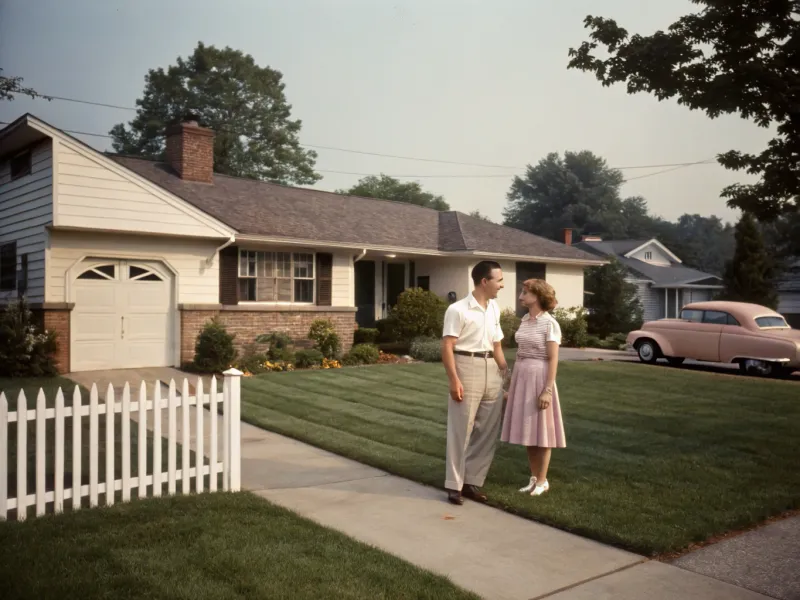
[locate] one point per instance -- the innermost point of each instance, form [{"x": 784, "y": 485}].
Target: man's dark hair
[{"x": 483, "y": 270}]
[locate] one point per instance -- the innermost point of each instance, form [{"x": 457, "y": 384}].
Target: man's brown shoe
[
  {"x": 473, "y": 493},
  {"x": 454, "y": 497}
]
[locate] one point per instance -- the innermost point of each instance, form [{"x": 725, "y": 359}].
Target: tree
[
  {"x": 385, "y": 187},
  {"x": 9, "y": 86},
  {"x": 750, "y": 275},
  {"x": 730, "y": 57},
  {"x": 579, "y": 191},
  {"x": 478, "y": 215},
  {"x": 243, "y": 103},
  {"x": 613, "y": 304}
]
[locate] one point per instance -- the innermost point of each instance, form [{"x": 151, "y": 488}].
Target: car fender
[{"x": 641, "y": 334}]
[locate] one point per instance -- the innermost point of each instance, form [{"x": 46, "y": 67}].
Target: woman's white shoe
[
  {"x": 530, "y": 486},
  {"x": 541, "y": 489}
]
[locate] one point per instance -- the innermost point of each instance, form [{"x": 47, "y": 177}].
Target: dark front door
[
  {"x": 526, "y": 270},
  {"x": 365, "y": 293},
  {"x": 395, "y": 283}
]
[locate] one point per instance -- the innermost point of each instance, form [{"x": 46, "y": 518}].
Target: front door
[
  {"x": 365, "y": 293},
  {"x": 395, "y": 283}
]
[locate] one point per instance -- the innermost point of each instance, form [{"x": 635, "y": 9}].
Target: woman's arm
[{"x": 552, "y": 365}]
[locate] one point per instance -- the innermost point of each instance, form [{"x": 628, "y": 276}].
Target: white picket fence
[{"x": 149, "y": 411}]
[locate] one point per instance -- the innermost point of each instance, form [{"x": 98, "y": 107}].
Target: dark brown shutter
[
  {"x": 324, "y": 279},
  {"x": 229, "y": 275}
]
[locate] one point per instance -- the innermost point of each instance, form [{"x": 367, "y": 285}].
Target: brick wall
[
  {"x": 56, "y": 319},
  {"x": 249, "y": 324}
]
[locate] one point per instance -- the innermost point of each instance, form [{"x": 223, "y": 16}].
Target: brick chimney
[
  {"x": 568, "y": 237},
  {"x": 190, "y": 151}
]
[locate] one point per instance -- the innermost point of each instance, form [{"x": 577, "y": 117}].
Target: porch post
[{"x": 666, "y": 303}]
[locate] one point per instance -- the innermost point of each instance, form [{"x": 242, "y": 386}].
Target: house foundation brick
[
  {"x": 248, "y": 324},
  {"x": 56, "y": 317}
]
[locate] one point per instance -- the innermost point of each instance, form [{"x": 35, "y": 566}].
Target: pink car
[{"x": 755, "y": 337}]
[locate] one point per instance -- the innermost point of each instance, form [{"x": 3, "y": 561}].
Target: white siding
[
  {"x": 568, "y": 283},
  {"x": 789, "y": 303},
  {"x": 658, "y": 256},
  {"x": 90, "y": 194},
  {"x": 26, "y": 208},
  {"x": 343, "y": 293},
  {"x": 652, "y": 301},
  {"x": 197, "y": 283},
  {"x": 447, "y": 275}
]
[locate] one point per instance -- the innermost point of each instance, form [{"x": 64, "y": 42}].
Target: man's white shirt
[{"x": 476, "y": 328}]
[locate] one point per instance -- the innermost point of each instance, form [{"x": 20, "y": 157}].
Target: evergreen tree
[
  {"x": 750, "y": 276},
  {"x": 613, "y": 304}
]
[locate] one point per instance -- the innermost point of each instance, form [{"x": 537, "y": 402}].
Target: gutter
[{"x": 210, "y": 259}]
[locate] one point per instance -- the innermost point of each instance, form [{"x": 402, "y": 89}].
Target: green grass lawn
[
  {"x": 50, "y": 385},
  {"x": 211, "y": 546},
  {"x": 657, "y": 458}
]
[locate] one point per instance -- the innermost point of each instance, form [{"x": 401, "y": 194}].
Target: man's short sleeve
[
  {"x": 498, "y": 330},
  {"x": 554, "y": 332},
  {"x": 453, "y": 321}
]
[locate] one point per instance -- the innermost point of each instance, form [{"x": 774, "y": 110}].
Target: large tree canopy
[
  {"x": 739, "y": 56},
  {"x": 242, "y": 102},
  {"x": 385, "y": 187}
]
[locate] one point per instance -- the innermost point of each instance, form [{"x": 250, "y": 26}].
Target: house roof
[
  {"x": 674, "y": 274},
  {"x": 261, "y": 208}
]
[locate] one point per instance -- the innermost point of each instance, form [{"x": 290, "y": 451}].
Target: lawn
[
  {"x": 657, "y": 458},
  {"x": 211, "y": 546},
  {"x": 51, "y": 385}
]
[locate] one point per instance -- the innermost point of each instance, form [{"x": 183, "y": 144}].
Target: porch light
[{"x": 391, "y": 256}]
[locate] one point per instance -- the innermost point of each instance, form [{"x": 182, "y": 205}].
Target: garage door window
[
  {"x": 100, "y": 272},
  {"x": 140, "y": 274}
]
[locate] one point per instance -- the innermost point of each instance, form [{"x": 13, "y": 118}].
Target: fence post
[{"x": 232, "y": 388}]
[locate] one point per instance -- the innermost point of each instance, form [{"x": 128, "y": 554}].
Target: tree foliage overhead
[
  {"x": 613, "y": 304},
  {"x": 242, "y": 102},
  {"x": 750, "y": 275},
  {"x": 11, "y": 86},
  {"x": 730, "y": 57},
  {"x": 385, "y": 187}
]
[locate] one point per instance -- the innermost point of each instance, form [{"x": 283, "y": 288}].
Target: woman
[{"x": 533, "y": 413}]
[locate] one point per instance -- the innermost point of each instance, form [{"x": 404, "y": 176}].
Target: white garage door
[{"x": 123, "y": 316}]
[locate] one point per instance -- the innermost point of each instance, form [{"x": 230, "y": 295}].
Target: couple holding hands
[{"x": 477, "y": 370}]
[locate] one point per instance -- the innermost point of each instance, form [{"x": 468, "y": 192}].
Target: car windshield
[{"x": 771, "y": 321}]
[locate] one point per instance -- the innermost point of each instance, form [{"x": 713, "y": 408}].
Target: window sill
[{"x": 257, "y": 307}]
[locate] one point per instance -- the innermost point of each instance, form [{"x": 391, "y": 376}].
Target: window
[
  {"x": 716, "y": 317},
  {"x": 424, "y": 282},
  {"x": 276, "y": 277},
  {"x": 141, "y": 274},
  {"x": 695, "y": 316},
  {"x": 771, "y": 321},
  {"x": 8, "y": 267},
  {"x": 100, "y": 272},
  {"x": 648, "y": 255},
  {"x": 21, "y": 165}
]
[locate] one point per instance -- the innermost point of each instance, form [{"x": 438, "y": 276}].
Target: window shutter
[
  {"x": 324, "y": 279},
  {"x": 229, "y": 275}
]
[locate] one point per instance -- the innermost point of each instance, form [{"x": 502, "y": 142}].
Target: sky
[{"x": 453, "y": 80}]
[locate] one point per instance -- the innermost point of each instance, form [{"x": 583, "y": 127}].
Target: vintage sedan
[{"x": 755, "y": 337}]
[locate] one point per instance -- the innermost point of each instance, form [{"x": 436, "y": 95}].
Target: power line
[{"x": 364, "y": 152}]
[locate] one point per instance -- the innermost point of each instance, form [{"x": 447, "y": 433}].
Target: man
[{"x": 475, "y": 365}]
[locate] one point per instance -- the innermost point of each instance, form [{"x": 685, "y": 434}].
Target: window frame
[
  {"x": 27, "y": 168},
  {"x": 8, "y": 281},
  {"x": 293, "y": 278}
]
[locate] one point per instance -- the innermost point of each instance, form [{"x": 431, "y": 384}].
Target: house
[
  {"x": 789, "y": 294},
  {"x": 664, "y": 285},
  {"x": 126, "y": 258}
]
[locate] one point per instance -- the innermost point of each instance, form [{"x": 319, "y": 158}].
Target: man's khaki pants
[{"x": 473, "y": 425}]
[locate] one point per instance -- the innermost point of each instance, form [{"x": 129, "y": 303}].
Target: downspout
[
  {"x": 360, "y": 256},
  {"x": 210, "y": 259}
]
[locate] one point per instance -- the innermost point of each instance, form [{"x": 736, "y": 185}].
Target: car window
[
  {"x": 715, "y": 317},
  {"x": 732, "y": 320},
  {"x": 695, "y": 316},
  {"x": 772, "y": 321}
]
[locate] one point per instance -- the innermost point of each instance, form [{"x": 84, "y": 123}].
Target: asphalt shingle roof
[{"x": 261, "y": 208}]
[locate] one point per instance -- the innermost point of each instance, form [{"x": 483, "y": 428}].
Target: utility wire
[{"x": 363, "y": 152}]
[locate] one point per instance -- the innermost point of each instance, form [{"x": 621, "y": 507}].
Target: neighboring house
[
  {"x": 789, "y": 294},
  {"x": 663, "y": 284},
  {"x": 127, "y": 258}
]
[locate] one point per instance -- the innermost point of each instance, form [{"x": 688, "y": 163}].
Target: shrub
[
  {"x": 214, "y": 351},
  {"x": 366, "y": 336},
  {"x": 427, "y": 349},
  {"x": 280, "y": 346},
  {"x": 325, "y": 338},
  {"x": 509, "y": 323},
  {"x": 25, "y": 351},
  {"x": 574, "y": 326},
  {"x": 387, "y": 330},
  {"x": 418, "y": 313},
  {"x": 306, "y": 359},
  {"x": 252, "y": 361},
  {"x": 362, "y": 354}
]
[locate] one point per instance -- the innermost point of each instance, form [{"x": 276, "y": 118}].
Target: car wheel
[
  {"x": 675, "y": 361},
  {"x": 761, "y": 367},
  {"x": 648, "y": 351}
]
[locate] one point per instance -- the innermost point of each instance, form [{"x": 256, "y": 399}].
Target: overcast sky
[{"x": 454, "y": 80}]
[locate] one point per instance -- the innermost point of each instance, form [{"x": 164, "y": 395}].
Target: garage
[{"x": 123, "y": 316}]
